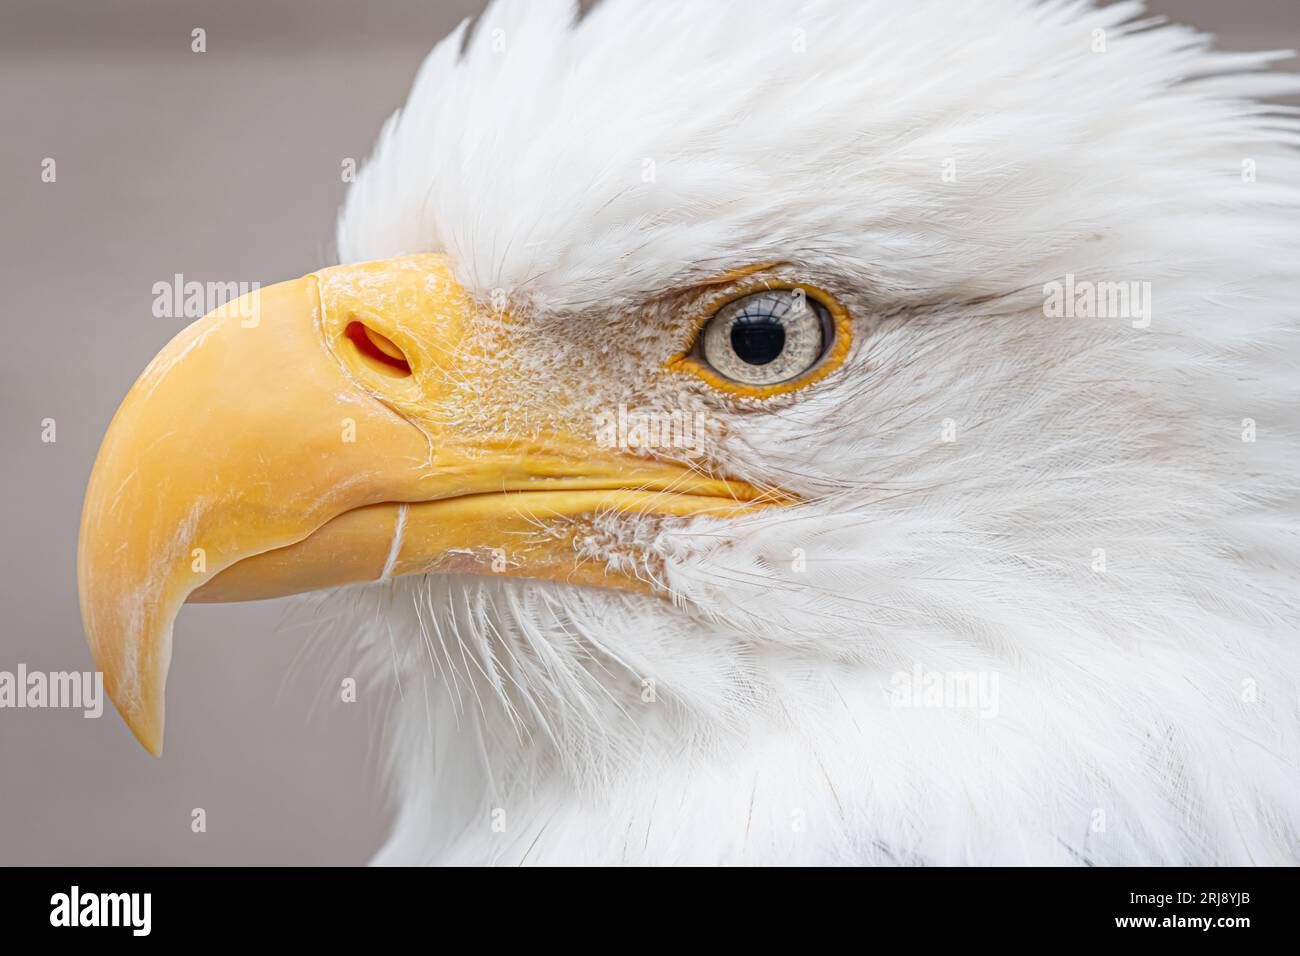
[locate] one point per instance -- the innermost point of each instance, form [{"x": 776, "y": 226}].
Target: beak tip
[{"x": 148, "y": 731}]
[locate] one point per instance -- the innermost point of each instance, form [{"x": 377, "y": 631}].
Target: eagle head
[{"x": 829, "y": 431}]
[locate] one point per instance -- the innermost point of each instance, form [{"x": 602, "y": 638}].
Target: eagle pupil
[{"x": 757, "y": 339}]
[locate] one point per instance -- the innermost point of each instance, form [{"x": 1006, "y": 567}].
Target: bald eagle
[{"x": 841, "y": 431}]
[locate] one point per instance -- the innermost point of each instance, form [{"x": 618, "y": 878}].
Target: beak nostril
[{"x": 378, "y": 348}]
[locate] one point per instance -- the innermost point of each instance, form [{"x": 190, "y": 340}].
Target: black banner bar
[{"x": 330, "y": 905}]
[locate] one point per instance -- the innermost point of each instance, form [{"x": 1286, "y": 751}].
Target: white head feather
[{"x": 1099, "y": 544}]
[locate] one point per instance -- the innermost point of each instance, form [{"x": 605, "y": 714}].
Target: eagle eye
[{"x": 766, "y": 338}]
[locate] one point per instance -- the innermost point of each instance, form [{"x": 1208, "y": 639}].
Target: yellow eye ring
[{"x": 833, "y": 357}]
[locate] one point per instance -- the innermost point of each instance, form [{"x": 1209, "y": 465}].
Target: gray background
[{"x": 225, "y": 167}]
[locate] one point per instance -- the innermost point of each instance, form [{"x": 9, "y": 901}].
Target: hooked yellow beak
[{"x": 335, "y": 429}]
